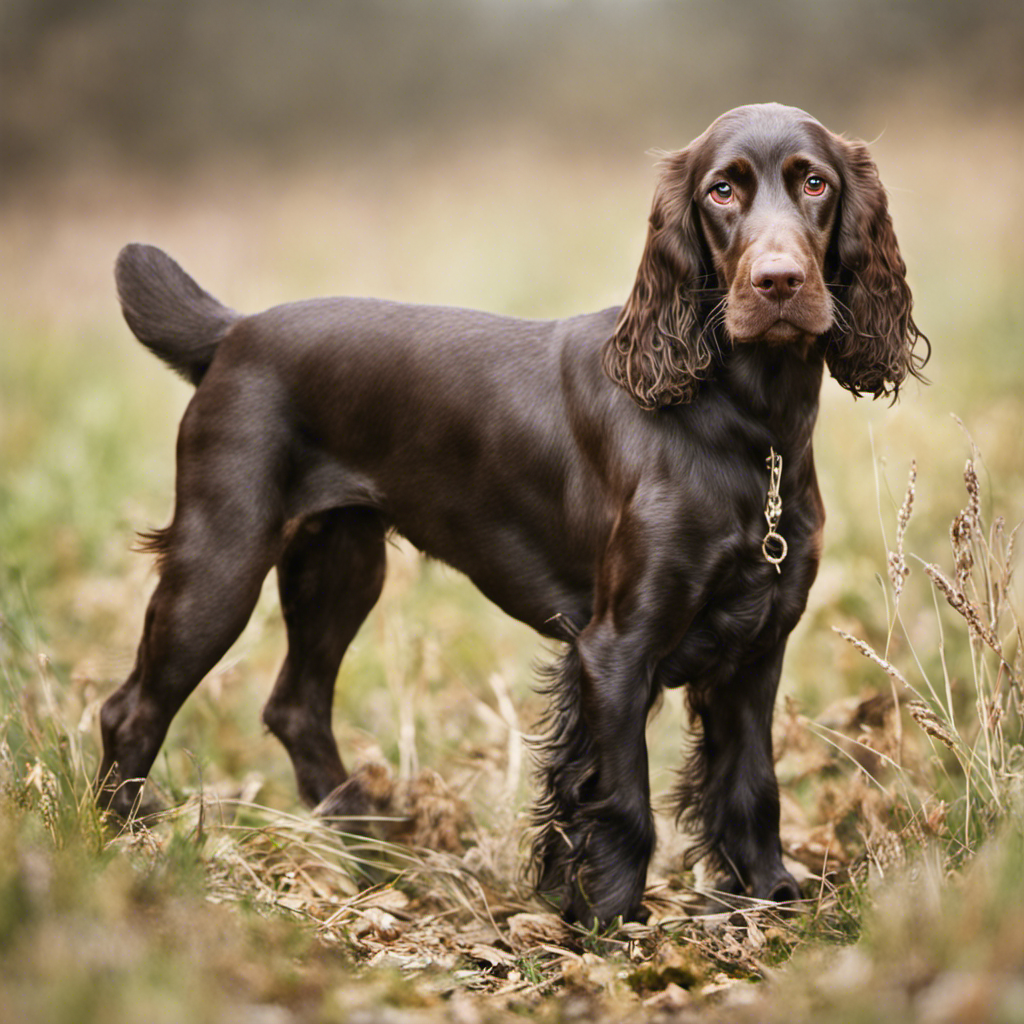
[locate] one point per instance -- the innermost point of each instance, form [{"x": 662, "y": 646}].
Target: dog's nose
[{"x": 776, "y": 276}]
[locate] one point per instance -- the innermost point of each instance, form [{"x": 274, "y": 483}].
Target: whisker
[{"x": 842, "y": 314}]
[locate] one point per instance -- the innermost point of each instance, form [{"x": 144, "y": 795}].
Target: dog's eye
[
  {"x": 721, "y": 192},
  {"x": 814, "y": 185}
]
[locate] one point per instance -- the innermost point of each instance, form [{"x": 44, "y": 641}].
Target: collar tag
[{"x": 774, "y": 546}]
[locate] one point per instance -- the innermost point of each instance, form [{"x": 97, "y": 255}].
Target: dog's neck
[{"x": 779, "y": 386}]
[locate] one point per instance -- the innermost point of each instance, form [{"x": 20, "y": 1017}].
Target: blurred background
[{"x": 492, "y": 154}]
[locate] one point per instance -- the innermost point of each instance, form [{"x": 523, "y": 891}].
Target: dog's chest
[{"x": 748, "y": 606}]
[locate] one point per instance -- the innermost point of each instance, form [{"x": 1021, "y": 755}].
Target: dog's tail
[{"x": 168, "y": 312}]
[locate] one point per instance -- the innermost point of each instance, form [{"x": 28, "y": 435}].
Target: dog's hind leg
[
  {"x": 330, "y": 576},
  {"x": 213, "y": 559}
]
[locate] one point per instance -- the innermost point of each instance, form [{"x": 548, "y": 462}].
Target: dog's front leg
[
  {"x": 598, "y": 834},
  {"x": 729, "y": 795}
]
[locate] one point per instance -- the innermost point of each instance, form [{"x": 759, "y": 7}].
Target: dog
[{"x": 637, "y": 483}]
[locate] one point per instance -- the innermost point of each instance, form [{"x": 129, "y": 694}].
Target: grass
[{"x": 902, "y": 770}]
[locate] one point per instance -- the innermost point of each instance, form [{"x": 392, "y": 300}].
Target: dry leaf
[
  {"x": 529, "y": 930},
  {"x": 672, "y": 997}
]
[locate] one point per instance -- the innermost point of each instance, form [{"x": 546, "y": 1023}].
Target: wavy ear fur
[
  {"x": 658, "y": 352},
  {"x": 871, "y": 349}
]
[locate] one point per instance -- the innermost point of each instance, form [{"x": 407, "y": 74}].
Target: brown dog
[{"x": 638, "y": 483}]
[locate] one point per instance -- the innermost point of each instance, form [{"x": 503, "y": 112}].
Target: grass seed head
[
  {"x": 959, "y": 602},
  {"x": 931, "y": 723},
  {"x": 898, "y": 568}
]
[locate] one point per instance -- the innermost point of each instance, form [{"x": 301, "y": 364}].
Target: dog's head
[{"x": 767, "y": 228}]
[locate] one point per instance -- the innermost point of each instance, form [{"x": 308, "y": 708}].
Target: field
[{"x": 901, "y": 762}]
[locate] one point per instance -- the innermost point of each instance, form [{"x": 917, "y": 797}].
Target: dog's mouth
[
  {"x": 784, "y": 332},
  {"x": 785, "y": 323},
  {"x": 778, "y": 332}
]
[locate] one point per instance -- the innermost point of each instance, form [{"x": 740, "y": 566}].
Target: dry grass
[
  {"x": 985, "y": 737},
  {"x": 937, "y": 816}
]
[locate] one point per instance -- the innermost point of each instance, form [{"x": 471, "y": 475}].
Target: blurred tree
[{"x": 173, "y": 81}]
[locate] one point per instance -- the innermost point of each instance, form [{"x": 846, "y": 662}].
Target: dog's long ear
[
  {"x": 658, "y": 352},
  {"x": 871, "y": 350}
]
